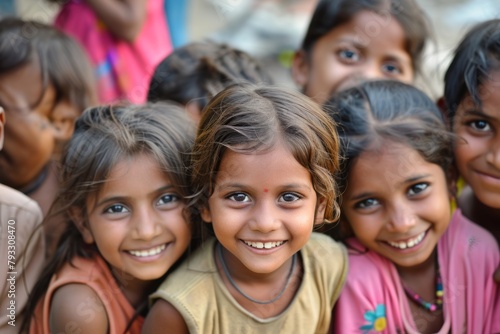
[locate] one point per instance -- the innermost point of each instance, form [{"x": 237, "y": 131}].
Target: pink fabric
[
  {"x": 373, "y": 299},
  {"x": 123, "y": 69}
]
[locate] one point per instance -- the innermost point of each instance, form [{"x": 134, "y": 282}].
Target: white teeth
[
  {"x": 266, "y": 245},
  {"x": 410, "y": 243},
  {"x": 148, "y": 252}
]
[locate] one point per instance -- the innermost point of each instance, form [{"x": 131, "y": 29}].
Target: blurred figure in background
[
  {"x": 46, "y": 82},
  {"x": 194, "y": 73},
  {"x": 125, "y": 40}
]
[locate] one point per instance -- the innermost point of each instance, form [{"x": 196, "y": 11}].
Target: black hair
[
  {"x": 376, "y": 111},
  {"x": 199, "y": 70},
  {"x": 476, "y": 56}
]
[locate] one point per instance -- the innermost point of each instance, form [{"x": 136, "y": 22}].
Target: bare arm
[
  {"x": 76, "y": 308},
  {"x": 124, "y": 18},
  {"x": 163, "y": 316}
]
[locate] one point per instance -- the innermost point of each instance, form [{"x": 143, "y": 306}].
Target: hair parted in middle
[
  {"x": 247, "y": 118},
  {"x": 385, "y": 110}
]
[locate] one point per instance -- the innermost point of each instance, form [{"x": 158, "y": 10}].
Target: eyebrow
[
  {"x": 404, "y": 182},
  {"x": 238, "y": 186},
  {"x": 351, "y": 40},
  {"x": 359, "y": 45},
  {"x": 477, "y": 112},
  {"x": 415, "y": 178},
  {"x": 121, "y": 198}
]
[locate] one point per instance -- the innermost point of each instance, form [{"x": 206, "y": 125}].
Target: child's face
[
  {"x": 397, "y": 204},
  {"x": 477, "y": 151},
  {"x": 263, "y": 209},
  {"x": 29, "y": 132},
  {"x": 368, "y": 47},
  {"x": 137, "y": 221}
]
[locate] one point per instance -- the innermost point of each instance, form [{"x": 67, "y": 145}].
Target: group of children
[{"x": 209, "y": 208}]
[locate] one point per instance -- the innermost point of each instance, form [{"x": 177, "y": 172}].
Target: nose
[
  {"x": 401, "y": 218},
  {"x": 493, "y": 155},
  {"x": 372, "y": 71},
  {"x": 265, "y": 217},
  {"x": 146, "y": 224}
]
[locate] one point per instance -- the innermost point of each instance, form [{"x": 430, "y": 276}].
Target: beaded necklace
[{"x": 432, "y": 307}]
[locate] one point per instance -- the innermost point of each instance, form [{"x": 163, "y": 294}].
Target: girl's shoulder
[
  {"x": 319, "y": 242},
  {"x": 467, "y": 236},
  {"x": 321, "y": 250},
  {"x": 85, "y": 295},
  {"x": 324, "y": 256},
  {"x": 77, "y": 306}
]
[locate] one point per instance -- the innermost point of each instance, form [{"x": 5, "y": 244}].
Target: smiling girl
[
  {"x": 413, "y": 266},
  {"x": 123, "y": 190},
  {"x": 472, "y": 94},
  {"x": 263, "y": 167}
]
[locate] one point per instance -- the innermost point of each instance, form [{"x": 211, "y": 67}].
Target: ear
[
  {"x": 63, "y": 119},
  {"x": 2, "y": 123},
  {"x": 78, "y": 219},
  {"x": 300, "y": 68},
  {"x": 320, "y": 212},
  {"x": 206, "y": 216}
]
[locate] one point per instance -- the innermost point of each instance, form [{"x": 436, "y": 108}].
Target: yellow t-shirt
[{"x": 197, "y": 291}]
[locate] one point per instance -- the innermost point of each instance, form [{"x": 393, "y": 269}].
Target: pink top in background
[{"x": 123, "y": 69}]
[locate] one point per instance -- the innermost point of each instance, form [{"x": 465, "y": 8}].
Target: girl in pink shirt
[{"x": 414, "y": 266}]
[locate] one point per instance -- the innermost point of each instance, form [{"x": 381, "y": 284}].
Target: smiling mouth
[
  {"x": 489, "y": 176},
  {"x": 148, "y": 252},
  {"x": 263, "y": 245},
  {"x": 408, "y": 244}
]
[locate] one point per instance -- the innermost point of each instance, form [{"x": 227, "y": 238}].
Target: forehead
[
  {"x": 489, "y": 95},
  {"x": 367, "y": 27},
  {"x": 386, "y": 163},
  {"x": 268, "y": 167}
]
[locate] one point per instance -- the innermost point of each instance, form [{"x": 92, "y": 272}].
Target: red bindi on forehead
[{"x": 266, "y": 190}]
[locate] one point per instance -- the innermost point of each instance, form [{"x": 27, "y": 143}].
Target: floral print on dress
[{"x": 377, "y": 321}]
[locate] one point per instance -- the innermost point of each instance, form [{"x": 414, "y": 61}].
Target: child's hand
[{"x": 496, "y": 276}]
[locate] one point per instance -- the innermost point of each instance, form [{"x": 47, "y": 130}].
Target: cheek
[
  {"x": 184, "y": 232},
  {"x": 408, "y": 77},
  {"x": 466, "y": 149},
  {"x": 364, "y": 228}
]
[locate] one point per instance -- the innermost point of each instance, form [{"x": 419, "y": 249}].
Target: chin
[{"x": 490, "y": 200}]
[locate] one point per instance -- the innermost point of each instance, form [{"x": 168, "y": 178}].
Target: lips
[
  {"x": 148, "y": 252},
  {"x": 264, "y": 245},
  {"x": 489, "y": 176},
  {"x": 410, "y": 243}
]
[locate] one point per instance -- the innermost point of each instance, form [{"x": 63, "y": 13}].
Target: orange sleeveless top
[{"x": 94, "y": 273}]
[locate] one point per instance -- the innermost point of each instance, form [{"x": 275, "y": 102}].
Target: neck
[
  {"x": 415, "y": 275},
  {"x": 255, "y": 290},
  {"x": 136, "y": 291},
  {"x": 35, "y": 184}
]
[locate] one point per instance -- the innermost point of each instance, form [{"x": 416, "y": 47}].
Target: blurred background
[{"x": 272, "y": 29}]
